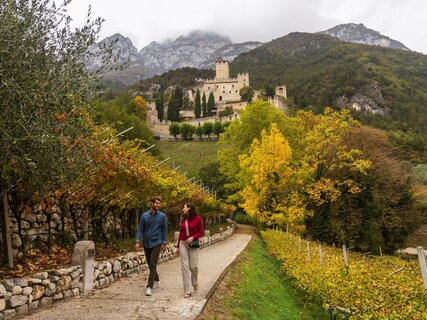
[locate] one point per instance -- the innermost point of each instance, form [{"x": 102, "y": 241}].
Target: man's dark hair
[{"x": 154, "y": 199}]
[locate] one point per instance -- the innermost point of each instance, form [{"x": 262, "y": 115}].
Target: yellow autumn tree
[{"x": 269, "y": 194}]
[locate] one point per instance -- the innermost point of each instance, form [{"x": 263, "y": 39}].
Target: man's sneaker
[
  {"x": 148, "y": 292},
  {"x": 156, "y": 284}
]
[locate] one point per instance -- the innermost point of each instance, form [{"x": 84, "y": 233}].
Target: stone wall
[
  {"x": 21, "y": 296},
  {"x": 59, "y": 218}
]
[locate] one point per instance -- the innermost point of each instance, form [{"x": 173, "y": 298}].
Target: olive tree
[{"x": 45, "y": 91}]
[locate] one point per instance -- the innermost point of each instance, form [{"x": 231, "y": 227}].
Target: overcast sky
[{"x": 144, "y": 21}]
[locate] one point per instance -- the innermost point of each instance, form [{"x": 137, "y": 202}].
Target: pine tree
[
  {"x": 211, "y": 104},
  {"x": 204, "y": 106},
  {"x": 177, "y": 103},
  {"x": 170, "y": 109},
  {"x": 197, "y": 106},
  {"x": 160, "y": 107}
]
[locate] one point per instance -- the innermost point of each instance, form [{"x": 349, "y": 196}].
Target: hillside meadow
[{"x": 191, "y": 156}]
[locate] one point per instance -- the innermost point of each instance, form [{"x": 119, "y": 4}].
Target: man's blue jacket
[{"x": 153, "y": 229}]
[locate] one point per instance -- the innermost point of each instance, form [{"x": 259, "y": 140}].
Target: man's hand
[
  {"x": 177, "y": 252},
  {"x": 164, "y": 247},
  {"x": 137, "y": 246}
]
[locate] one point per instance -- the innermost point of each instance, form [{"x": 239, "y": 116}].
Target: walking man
[{"x": 153, "y": 229}]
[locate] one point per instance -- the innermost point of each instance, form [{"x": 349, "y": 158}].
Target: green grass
[
  {"x": 263, "y": 291},
  {"x": 190, "y": 155}
]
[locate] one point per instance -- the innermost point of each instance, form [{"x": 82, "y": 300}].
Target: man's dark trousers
[{"x": 152, "y": 256}]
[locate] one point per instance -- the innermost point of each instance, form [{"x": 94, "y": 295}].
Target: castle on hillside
[{"x": 226, "y": 90}]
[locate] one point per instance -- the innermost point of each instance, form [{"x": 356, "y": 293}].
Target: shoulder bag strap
[{"x": 186, "y": 228}]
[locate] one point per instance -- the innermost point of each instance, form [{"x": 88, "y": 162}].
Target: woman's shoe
[
  {"x": 196, "y": 286},
  {"x": 187, "y": 295}
]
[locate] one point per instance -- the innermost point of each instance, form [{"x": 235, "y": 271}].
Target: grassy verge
[
  {"x": 190, "y": 155},
  {"x": 255, "y": 288}
]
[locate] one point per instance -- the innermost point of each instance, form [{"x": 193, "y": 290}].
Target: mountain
[
  {"x": 358, "y": 33},
  {"x": 385, "y": 87},
  {"x": 121, "y": 46},
  {"x": 197, "y": 49}
]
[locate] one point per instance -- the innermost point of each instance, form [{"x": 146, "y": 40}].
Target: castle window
[
  {"x": 223, "y": 91},
  {"x": 217, "y": 86},
  {"x": 209, "y": 88},
  {"x": 232, "y": 86},
  {"x": 229, "y": 91},
  {"x": 220, "y": 98}
]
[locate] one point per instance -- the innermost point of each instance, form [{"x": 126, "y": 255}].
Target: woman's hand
[{"x": 189, "y": 240}]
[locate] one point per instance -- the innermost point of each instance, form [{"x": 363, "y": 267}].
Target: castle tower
[{"x": 222, "y": 69}]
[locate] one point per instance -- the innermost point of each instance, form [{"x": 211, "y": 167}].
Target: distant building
[{"x": 226, "y": 90}]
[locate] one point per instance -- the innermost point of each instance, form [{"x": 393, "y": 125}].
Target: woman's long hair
[{"x": 192, "y": 210}]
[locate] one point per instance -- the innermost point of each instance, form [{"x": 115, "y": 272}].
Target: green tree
[
  {"x": 171, "y": 112},
  {"x": 211, "y": 176},
  {"x": 207, "y": 129},
  {"x": 204, "y": 106},
  {"x": 228, "y": 111},
  {"x": 122, "y": 113},
  {"x": 269, "y": 91},
  {"x": 211, "y": 104},
  {"x": 197, "y": 105},
  {"x": 218, "y": 128},
  {"x": 199, "y": 131},
  {"x": 187, "y": 131},
  {"x": 45, "y": 89},
  {"x": 177, "y": 99},
  {"x": 246, "y": 93},
  {"x": 160, "y": 107},
  {"x": 174, "y": 129}
]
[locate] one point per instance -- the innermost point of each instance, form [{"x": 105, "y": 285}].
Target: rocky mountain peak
[
  {"x": 358, "y": 33},
  {"x": 121, "y": 46}
]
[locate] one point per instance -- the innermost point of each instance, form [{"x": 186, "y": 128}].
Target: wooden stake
[
  {"x": 7, "y": 238},
  {"x": 422, "y": 260},
  {"x": 344, "y": 251}
]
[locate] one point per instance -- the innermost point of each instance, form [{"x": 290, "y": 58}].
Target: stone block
[
  {"x": 38, "y": 292},
  {"x": 9, "y": 314},
  {"x": 58, "y": 296},
  {"x": 41, "y": 275},
  {"x": 8, "y": 284},
  {"x": 16, "y": 290},
  {"x": 33, "y": 281},
  {"x": 27, "y": 291},
  {"x": 22, "y": 310},
  {"x": 17, "y": 301},
  {"x": 46, "y": 301},
  {"x": 33, "y": 305},
  {"x": 50, "y": 289},
  {"x": 2, "y": 304},
  {"x": 64, "y": 283}
]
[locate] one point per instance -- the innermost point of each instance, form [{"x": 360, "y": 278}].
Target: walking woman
[{"x": 191, "y": 228}]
